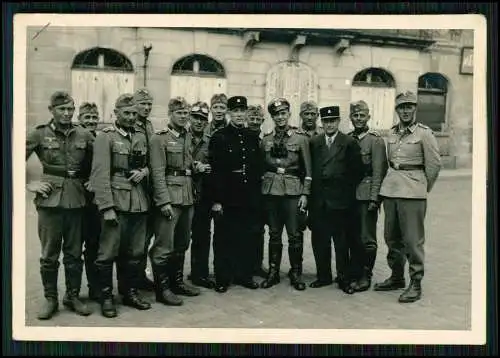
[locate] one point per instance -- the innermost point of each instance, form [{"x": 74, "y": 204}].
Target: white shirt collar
[{"x": 333, "y": 137}]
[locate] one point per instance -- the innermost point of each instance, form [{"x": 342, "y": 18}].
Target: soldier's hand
[
  {"x": 87, "y": 186},
  {"x": 217, "y": 209},
  {"x": 206, "y": 168},
  {"x": 303, "y": 203},
  {"x": 167, "y": 211},
  {"x": 373, "y": 206},
  {"x": 39, "y": 187},
  {"x": 110, "y": 217},
  {"x": 137, "y": 175}
]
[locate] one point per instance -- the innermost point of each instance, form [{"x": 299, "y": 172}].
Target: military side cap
[
  {"x": 255, "y": 111},
  {"x": 59, "y": 98},
  {"x": 277, "y": 105},
  {"x": 87, "y": 107},
  {"x": 218, "y": 98},
  {"x": 125, "y": 100},
  {"x": 142, "y": 95},
  {"x": 308, "y": 106},
  {"x": 237, "y": 102},
  {"x": 332, "y": 112},
  {"x": 177, "y": 103},
  {"x": 200, "y": 109},
  {"x": 406, "y": 97},
  {"x": 359, "y": 106}
]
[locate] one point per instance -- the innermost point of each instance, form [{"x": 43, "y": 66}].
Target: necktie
[{"x": 329, "y": 141}]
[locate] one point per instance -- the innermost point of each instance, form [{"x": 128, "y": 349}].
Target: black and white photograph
[{"x": 250, "y": 178}]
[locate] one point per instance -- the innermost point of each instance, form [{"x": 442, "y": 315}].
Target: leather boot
[
  {"x": 91, "y": 273},
  {"x": 295, "y": 256},
  {"x": 362, "y": 284},
  {"x": 51, "y": 305},
  {"x": 392, "y": 283},
  {"x": 178, "y": 286},
  {"x": 162, "y": 287},
  {"x": 371, "y": 256},
  {"x": 132, "y": 299},
  {"x": 412, "y": 293},
  {"x": 108, "y": 308},
  {"x": 71, "y": 299},
  {"x": 273, "y": 276}
]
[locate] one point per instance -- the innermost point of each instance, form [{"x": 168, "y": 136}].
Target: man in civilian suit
[{"x": 337, "y": 169}]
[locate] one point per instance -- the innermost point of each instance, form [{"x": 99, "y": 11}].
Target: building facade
[{"x": 332, "y": 67}]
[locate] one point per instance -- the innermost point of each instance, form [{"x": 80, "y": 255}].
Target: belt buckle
[
  {"x": 188, "y": 172},
  {"x": 396, "y": 166},
  {"x": 71, "y": 173},
  {"x": 280, "y": 171}
]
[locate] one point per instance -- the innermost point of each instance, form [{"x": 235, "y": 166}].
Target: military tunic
[
  {"x": 287, "y": 176},
  {"x": 414, "y": 166},
  {"x": 236, "y": 171},
  {"x": 117, "y": 153},
  {"x": 172, "y": 167},
  {"x": 373, "y": 155},
  {"x": 64, "y": 157}
]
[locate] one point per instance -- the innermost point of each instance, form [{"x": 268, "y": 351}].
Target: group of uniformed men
[{"x": 114, "y": 191}]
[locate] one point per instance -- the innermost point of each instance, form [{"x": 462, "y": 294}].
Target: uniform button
[
  {"x": 241, "y": 142},
  {"x": 244, "y": 157},
  {"x": 243, "y": 149},
  {"x": 244, "y": 181}
]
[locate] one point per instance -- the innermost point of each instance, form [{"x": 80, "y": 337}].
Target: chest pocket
[
  {"x": 121, "y": 152},
  {"x": 79, "y": 150},
  {"x": 366, "y": 156},
  {"x": 175, "y": 155},
  {"x": 52, "y": 153}
]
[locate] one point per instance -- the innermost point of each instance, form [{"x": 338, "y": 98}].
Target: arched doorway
[
  {"x": 101, "y": 75},
  {"x": 197, "y": 78},
  {"x": 377, "y": 88},
  {"x": 294, "y": 81},
  {"x": 431, "y": 109}
]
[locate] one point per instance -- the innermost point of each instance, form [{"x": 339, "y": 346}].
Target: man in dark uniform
[
  {"x": 200, "y": 233},
  {"x": 373, "y": 154},
  {"x": 237, "y": 170},
  {"x": 118, "y": 168},
  {"x": 64, "y": 151},
  {"x": 255, "y": 118},
  {"x": 144, "y": 103},
  {"x": 285, "y": 186},
  {"x": 88, "y": 117},
  {"x": 171, "y": 171},
  {"x": 337, "y": 170},
  {"x": 218, "y": 108},
  {"x": 414, "y": 166}
]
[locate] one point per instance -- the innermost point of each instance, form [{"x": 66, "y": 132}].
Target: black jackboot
[
  {"x": 131, "y": 297},
  {"x": 295, "y": 255},
  {"x": 71, "y": 299},
  {"x": 162, "y": 287},
  {"x": 178, "y": 286},
  {"x": 273, "y": 276},
  {"x": 412, "y": 293},
  {"x": 108, "y": 307},
  {"x": 51, "y": 305}
]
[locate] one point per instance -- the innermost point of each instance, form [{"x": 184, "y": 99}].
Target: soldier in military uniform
[
  {"x": 337, "y": 169},
  {"x": 200, "y": 233},
  {"x": 144, "y": 102},
  {"x": 373, "y": 154},
  {"x": 218, "y": 108},
  {"x": 64, "y": 151},
  {"x": 172, "y": 166},
  {"x": 255, "y": 118},
  {"x": 309, "y": 113},
  {"x": 88, "y": 117},
  {"x": 414, "y": 166},
  {"x": 285, "y": 186},
  {"x": 237, "y": 170},
  {"x": 118, "y": 168}
]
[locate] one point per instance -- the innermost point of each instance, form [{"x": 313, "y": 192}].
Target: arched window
[
  {"x": 432, "y": 93},
  {"x": 101, "y": 75},
  {"x": 377, "y": 88},
  {"x": 197, "y": 77}
]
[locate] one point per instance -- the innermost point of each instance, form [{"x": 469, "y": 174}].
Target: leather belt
[
  {"x": 63, "y": 173},
  {"x": 280, "y": 170},
  {"x": 178, "y": 172},
  {"x": 397, "y": 166}
]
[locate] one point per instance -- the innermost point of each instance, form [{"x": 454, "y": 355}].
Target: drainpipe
[{"x": 147, "y": 49}]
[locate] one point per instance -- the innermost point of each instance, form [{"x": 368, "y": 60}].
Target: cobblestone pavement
[{"x": 446, "y": 302}]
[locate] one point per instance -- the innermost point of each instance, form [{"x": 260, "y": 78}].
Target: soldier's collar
[
  {"x": 287, "y": 131},
  {"x": 175, "y": 132},
  {"x": 409, "y": 129},
  {"x": 52, "y": 126},
  {"x": 122, "y": 131}
]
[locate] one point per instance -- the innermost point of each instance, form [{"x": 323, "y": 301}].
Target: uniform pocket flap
[
  {"x": 174, "y": 149},
  {"x": 51, "y": 145},
  {"x": 292, "y": 147},
  {"x": 120, "y": 183}
]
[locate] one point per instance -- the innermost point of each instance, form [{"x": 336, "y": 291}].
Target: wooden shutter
[
  {"x": 380, "y": 100},
  {"x": 194, "y": 88}
]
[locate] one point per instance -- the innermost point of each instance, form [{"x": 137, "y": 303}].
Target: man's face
[
  {"x": 254, "y": 122},
  {"x": 330, "y": 126},
  {"x": 144, "y": 108},
  {"x": 281, "y": 118},
  {"x": 309, "y": 118},
  {"x": 198, "y": 123},
  {"x": 180, "y": 117},
  {"x": 126, "y": 116},
  {"x": 63, "y": 114},
  {"x": 406, "y": 112},
  {"x": 89, "y": 120},
  {"x": 359, "y": 119},
  {"x": 238, "y": 116},
  {"x": 219, "y": 111}
]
